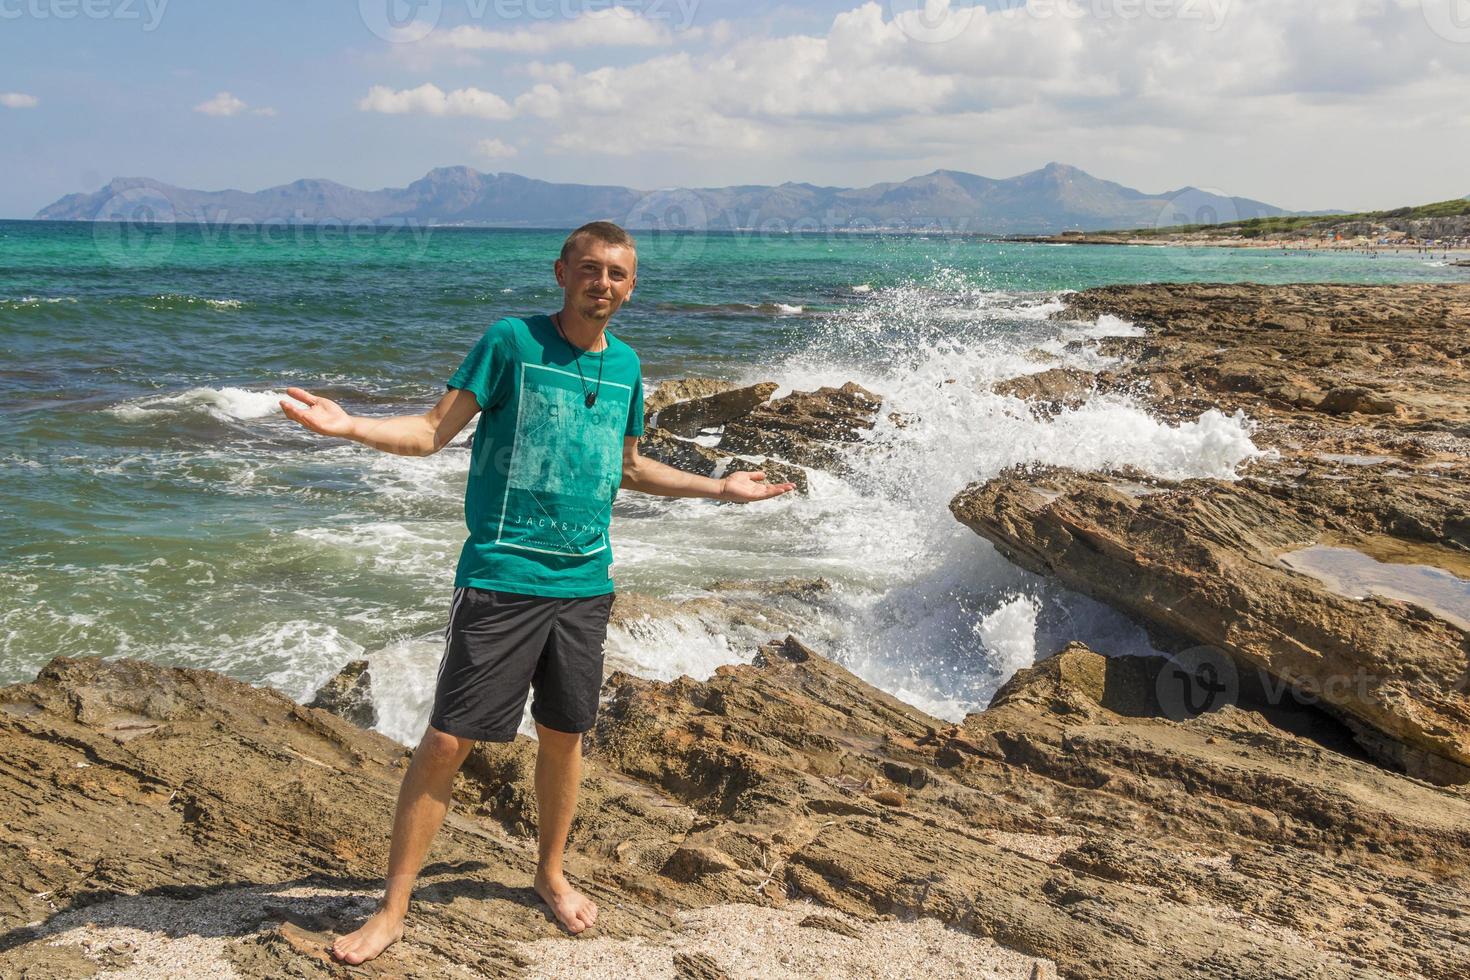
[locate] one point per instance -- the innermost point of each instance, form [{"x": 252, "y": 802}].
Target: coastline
[
  {"x": 1297, "y": 244},
  {"x": 174, "y": 820}
]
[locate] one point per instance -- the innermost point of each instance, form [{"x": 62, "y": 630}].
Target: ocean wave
[
  {"x": 305, "y": 653},
  {"x": 731, "y": 309},
  {"x": 414, "y": 480},
  {"x": 226, "y": 404},
  {"x": 390, "y": 546},
  {"x": 403, "y": 675},
  {"x": 25, "y": 302},
  {"x": 181, "y": 301},
  {"x": 693, "y": 645}
]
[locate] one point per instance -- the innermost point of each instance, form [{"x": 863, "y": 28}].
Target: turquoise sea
[{"x": 154, "y": 503}]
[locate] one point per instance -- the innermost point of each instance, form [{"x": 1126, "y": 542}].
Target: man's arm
[
  {"x": 404, "y": 435},
  {"x": 650, "y": 476}
]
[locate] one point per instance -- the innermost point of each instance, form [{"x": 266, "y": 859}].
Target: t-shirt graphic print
[
  {"x": 565, "y": 465},
  {"x": 545, "y": 466}
]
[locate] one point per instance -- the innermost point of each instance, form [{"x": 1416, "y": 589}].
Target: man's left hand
[{"x": 742, "y": 487}]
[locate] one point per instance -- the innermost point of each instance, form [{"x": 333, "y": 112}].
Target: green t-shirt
[{"x": 544, "y": 466}]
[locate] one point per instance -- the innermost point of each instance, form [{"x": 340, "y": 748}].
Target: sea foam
[{"x": 221, "y": 403}]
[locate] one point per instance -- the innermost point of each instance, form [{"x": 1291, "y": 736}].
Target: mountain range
[{"x": 1053, "y": 199}]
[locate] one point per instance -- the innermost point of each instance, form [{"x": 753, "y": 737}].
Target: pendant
[{"x": 591, "y": 398}]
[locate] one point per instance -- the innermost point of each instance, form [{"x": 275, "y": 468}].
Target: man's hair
[{"x": 602, "y": 231}]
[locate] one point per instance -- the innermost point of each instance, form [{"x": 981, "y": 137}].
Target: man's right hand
[{"x": 320, "y": 414}]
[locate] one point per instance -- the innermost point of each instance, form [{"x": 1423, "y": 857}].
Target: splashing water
[{"x": 932, "y": 614}]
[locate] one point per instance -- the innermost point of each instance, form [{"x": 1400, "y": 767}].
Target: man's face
[{"x": 597, "y": 277}]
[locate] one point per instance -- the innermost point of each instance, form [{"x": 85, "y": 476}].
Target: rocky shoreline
[
  {"x": 785, "y": 818},
  {"x": 1336, "y": 566}
]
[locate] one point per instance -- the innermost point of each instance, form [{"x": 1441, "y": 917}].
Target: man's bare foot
[
  {"x": 377, "y": 934},
  {"x": 573, "y": 909}
]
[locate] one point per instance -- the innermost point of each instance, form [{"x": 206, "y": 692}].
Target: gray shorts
[{"x": 500, "y": 645}]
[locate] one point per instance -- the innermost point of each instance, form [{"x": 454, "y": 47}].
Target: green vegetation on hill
[{"x": 1288, "y": 225}]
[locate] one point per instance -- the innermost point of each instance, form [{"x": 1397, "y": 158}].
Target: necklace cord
[{"x": 590, "y": 398}]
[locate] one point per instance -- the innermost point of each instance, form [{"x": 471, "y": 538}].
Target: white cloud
[
  {"x": 430, "y": 100},
  {"x": 494, "y": 149},
  {"x": 602, "y": 29},
  {"x": 610, "y": 27},
  {"x": 224, "y": 104},
  {"x": 18, "y": 100}
]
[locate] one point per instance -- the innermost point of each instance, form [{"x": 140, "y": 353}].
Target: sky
[{"x": 1305, "y": 104}]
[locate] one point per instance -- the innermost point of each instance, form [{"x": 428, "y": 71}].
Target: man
[{"x": 562, "y": 404}]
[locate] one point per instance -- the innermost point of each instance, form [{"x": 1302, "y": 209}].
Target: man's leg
[
  {"x": 558, "y": 772},
  {"x": 423, "y": 799}
]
